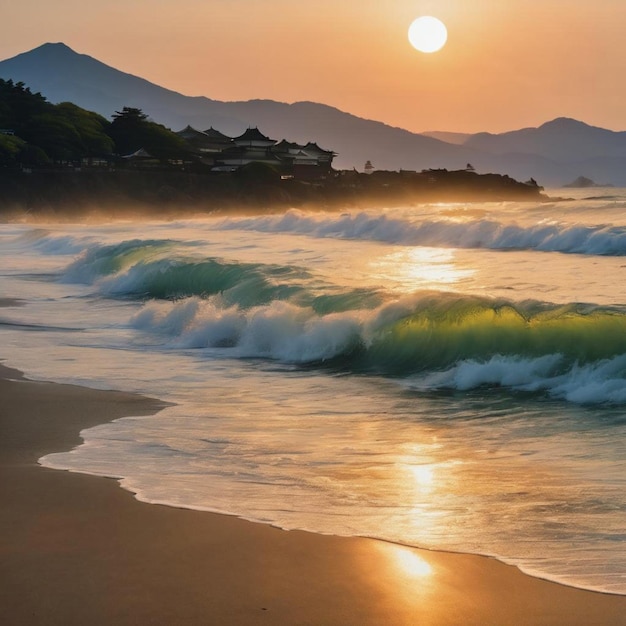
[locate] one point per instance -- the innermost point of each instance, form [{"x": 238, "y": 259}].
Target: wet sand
[{"x": 78, "y": 549}]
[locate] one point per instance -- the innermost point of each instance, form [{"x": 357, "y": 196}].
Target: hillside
[
  {"x": 553, "y": 154},
  {"x": 60, "y": 159},
  {"x": 568, "y": 148},
  {"x": 62, "y": 194},
  {"x": 61, "y": 74},
  {"x": 562, "y": 139}
]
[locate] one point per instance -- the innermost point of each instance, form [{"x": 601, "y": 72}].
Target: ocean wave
[
  {"x": 479, "y": 233},
  {"x": 572, "y": 352},
  {"x": 152, "y": 269},
  {"x": 105, "y": 260},
  {"x": 599, "y": 382},
  {"x": 245, "y": 284},
  {"x": 45, "y": 242}
]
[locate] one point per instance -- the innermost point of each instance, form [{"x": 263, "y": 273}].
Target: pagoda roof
[
  {"x": 283, "y": 144},
  {"x": 314, "y": 147},
  {"x": 254, "y": 134},
  {"x": 216, "y": 135},
  {"x": 189, "y": 131}
]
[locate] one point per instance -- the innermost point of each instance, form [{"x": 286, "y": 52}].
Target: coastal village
[
  {"x": 63, "y": 158},
  {"x": 227, "y": 154}
]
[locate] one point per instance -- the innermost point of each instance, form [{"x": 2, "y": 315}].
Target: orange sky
[{"x": 507, "y": 64}]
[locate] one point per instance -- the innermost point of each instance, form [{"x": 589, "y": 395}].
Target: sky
[{"x": 508, "y": 64}]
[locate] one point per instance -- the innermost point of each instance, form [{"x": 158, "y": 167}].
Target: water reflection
[
  {"x": 410, "y": 562},
  {"x": 424, "y": 477},
  {"x": 420, "y": 268}
]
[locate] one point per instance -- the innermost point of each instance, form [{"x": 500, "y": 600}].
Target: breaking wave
[
  {"x": 433, "y": 341},
  {"x": 45, "y": 242},
  {"x": 148, "y": 269},
  {"x": 479, "y": 233}
]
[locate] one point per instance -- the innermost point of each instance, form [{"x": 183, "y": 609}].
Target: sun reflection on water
[
  {"x": 420, "y": 268},
  {"x": 423, "y": 475},
  {"x": 410, "y": 562}
]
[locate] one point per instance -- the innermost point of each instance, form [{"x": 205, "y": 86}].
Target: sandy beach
[{"x": 78, "y": 549}]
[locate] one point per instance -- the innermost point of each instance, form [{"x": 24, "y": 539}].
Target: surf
[{"x": 488, "y": 233}]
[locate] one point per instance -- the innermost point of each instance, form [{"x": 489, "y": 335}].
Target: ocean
[{"x": 447, "y": 376}]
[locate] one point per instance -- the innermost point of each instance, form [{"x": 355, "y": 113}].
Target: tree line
[{"x": 35, "y": 132}]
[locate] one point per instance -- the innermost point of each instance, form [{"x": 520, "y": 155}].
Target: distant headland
[
  {"x": 553, "y": 153},
  {"x": 62, "y": 158},
  {"x": 582, "y": 182}
]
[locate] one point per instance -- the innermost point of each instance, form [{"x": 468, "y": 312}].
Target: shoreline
[
  {"x": 78, "y": 548},
  {"x": 259, "y": 189}
]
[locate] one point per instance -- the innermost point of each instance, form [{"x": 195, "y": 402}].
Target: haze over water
[{"x": 446, "y": 376}]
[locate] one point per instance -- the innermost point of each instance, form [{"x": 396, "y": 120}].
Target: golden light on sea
[
  {"x": 411, "y": 563},
  {"x": 423, "y": 475},
  {"x": 420, "y": 268}
]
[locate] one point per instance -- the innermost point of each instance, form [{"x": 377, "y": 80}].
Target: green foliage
[
  {"x": 66, "y": 133},
  {"x": 10, "y": 148},
  {"x": 33, "y": 156},
  {"x": 129, "y": 116},
  {"x": 62, "y": 132},
  {"x": 91, "y": 128},
  {"x": 257, "y": 172},
  {"x": 54, "y": 135},
  {"x": 131, "y": 130},
  {"x": 18, "y": 105}
]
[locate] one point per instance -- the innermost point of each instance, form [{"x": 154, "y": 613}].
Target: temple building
[
  {"x": 226, "y": 154},
  {"x": 217, "y": 141},
  {"x": 205, "y": 144},
  {"x": 250, "y": 147}
]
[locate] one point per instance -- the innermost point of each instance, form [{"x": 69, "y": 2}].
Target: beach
[
  {"x": 287, "y": 342},
  {"x": 78, "y": 549}
]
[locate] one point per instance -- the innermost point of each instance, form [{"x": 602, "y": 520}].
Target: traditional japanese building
[
  {"x": 322, "y": 156},
  {"x": 298, "y": 161},
  {"x": 250, "y": 147},
  {"x": 218, "y": 141},
  {"x": 210, "y": 141},
  {"x": 254, "y": 138},
  {"x": 226, "y": 154}
]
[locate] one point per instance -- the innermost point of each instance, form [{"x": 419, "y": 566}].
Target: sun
[{"x": 428, "y": 34}]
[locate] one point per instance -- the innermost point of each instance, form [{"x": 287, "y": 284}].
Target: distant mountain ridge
[
  {"x": 553, "y": 154},
  {"x": 448, "y": 137},
  {"x": 558, "y": 139}
]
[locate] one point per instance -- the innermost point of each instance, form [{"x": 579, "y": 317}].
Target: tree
[
  {"x": 131, "y": 130},
  {"x": 91, "y": 129},
  {"x": 67, "y": 133},
  {"x": 18, "y": 105},
  {"x": 10, "y": 148},
  {"x": 55, "y": 135},
  {"x": 129, "y": 115},
  {"x": 62, "y": 132}
]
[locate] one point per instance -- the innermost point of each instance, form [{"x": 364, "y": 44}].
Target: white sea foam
[
  {"x": 526, "y": 443},
  {"x": 593, "y": 383},
  {"x": 293, "y": 334},
  {"x": 287, "y": 333},
  {"x": 280, "y": 330},
  {"x": 516, "y": 372},
  {"x": 62, "y": 245},
  {"x": 546, "y": 236}
]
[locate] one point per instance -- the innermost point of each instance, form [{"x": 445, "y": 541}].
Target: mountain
[
  {"x": 61, "y": 74},
  {"x": 442, "y": 135},
  {"x": 553, "y": 154},
  {"x": 562, "y": 139},
  {"x": 568, "y": 145}
]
